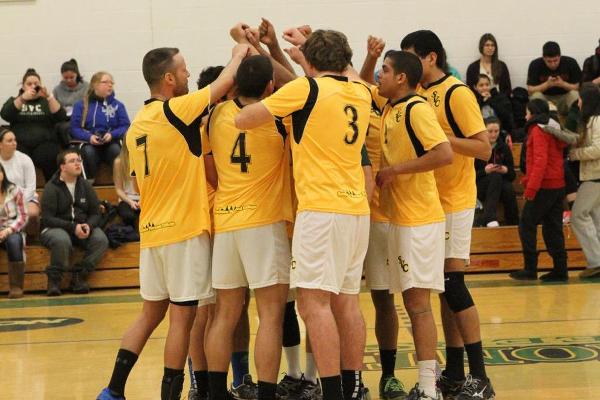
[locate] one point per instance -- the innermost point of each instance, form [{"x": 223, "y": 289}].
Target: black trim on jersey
[
  {"x": 337, "y": 77},
  {"x": 403, "y": 99},
  {"x": 281, "y": 128},
  {"x": 451, "y": 121},
  {"x": 300, "y": 117},
  {"x": 442, "y": 79},
  {"x": 375, "y": 107},
  {"x": 208, "y": 119},
  {"x": 365, "y": 161},
  {"x": 151, "y": 100},
  {"x": 417, "y": 145},
  {"x": 191, "y": 132},
  {"x": 238, "y": 102}
]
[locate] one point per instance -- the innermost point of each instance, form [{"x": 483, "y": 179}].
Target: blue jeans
[
  {"x": 93, "y": 155},
  {"x": 14, "y": 247}
]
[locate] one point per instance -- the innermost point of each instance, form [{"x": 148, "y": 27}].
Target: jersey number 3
[
  {"x": 241, "y": 158},
  {"x": 353, "y": 115}
]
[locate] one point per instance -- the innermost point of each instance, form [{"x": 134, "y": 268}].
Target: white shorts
[
  {"x": 179, "y": 272},
  {"x": 328, "y": 251},
  {"x": 416, "y": 257},
  {"x": 254, "y": 257},
  {"x": 458, "y": 234},
  {"x": 377, "y": 272}
]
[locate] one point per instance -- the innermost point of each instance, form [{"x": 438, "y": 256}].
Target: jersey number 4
[
  {"x": 143, "y": 141},
  {"x": 241, "y": 157},
  {"x": 353, "y": 115}
]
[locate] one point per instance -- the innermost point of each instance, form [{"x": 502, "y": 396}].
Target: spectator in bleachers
[
  {"x": 72, "y": 87},
  {"x": 100, "y": 121},
  {"x": 495, "y": 177},
  {"x": 585, "y": 217},
  {"x": 20, "y": 170},
  {"x": 493, "y": 103},
  {"x": 126, "y": 187},
  {"x": 33, "y": 115},
  {"x": 554, "y": 77},
  {"x": 544, "y": 183},
  {"x": 13, "y": 218},
  {"x": 489, "y": 64},
  {"x": 70, "y": 216},
  {"x": 591, "y": 67}
]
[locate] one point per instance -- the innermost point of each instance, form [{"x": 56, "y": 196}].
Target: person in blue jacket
[{"x": 100, "y": 121}]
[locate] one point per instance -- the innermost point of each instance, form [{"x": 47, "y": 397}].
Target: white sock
[
  {"x": 427, "y": 377},
  {"x": 310, "y": 372},
  {"x": 292, "y": 356}
]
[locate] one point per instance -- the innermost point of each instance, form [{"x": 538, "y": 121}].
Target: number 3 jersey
[
  {"x": 329, "y": 117},
  {"x": 253, "y": 168},
  {"x": 165, "y": 154}
]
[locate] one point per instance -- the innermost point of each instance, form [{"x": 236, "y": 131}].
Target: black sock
[
  {"x": 123, "y": 366},
  {"x": 475, "y": 356},
  {"x": 201, "y": 380},
  {"x": 332, "y": 387},
  {"x": 266, "y": 390},
  {"x": 172, "y": 384},
  {"x": 217, "y": 382},
  {"x": 351, "y": 381},
  {"x": 388, "y": 362},
  {"x": 455, "y": 363}
]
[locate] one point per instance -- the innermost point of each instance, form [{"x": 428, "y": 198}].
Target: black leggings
[{"x": 43, "y": 156}]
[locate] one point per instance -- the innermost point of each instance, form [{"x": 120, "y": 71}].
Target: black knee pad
[
  {"x": 291, "y": 329},
  {"x": 456, "y": 292}
]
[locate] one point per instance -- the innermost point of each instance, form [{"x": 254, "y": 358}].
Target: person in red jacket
[{"x": 544, "y": 183}]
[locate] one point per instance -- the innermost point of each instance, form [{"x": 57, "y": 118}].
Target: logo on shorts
[
  {"x": 403, "y": 264},
  {"x": 232, "y": 209},
  {"x": 436, "y": 99},
  {"x": 447, "y": 235},
  {"x": 293, "y": 263}
]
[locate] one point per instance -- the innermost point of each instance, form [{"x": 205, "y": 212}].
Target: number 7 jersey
[
  {"x": 253, "y": 169},
  {"x": 165, "y": 154},
  {"x": 330, "y": 117}
]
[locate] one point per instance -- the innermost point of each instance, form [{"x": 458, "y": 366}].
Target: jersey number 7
[{"x": 143, "y": 141}]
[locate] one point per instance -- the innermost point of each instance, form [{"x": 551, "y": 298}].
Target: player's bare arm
[
  {"x": 268, "y": 37},
  {"x": 476, "y": 146},
  {"x": 375, "y": 48},
  {"x": 225, "y": 81}
]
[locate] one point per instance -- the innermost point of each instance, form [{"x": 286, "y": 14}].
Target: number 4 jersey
[
  {"x": 330, "y": 118},
  {"x": 165, "y": 154},
  {"x": 253, "y": 169}
]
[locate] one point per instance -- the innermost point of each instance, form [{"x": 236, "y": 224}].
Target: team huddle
[{"x": 364, "y": 178}]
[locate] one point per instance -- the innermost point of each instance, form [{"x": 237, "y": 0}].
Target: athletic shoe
[
  {"x": 523, "y": 275},
  {"x": 590, "y": 273},
  {"x": 449, "y": 387},
  {"x": 363, "y": 393},
  {"x": 105, "y": 394},
  {"x": 289, "y": 386},
  {"x": 417, "y": 394},
  {"x": 391, "y": 388},
  {"x": 247, "y": 390},
  {"x": 194, "y": 394},
  {"x": 492, "y": 224},
  {"x": 476, "y": 389},
  {"x": 307, "y": 391},
  {"x": 555, "y": 277}
]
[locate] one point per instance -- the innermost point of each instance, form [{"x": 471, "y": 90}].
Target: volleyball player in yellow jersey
[
  {"x": 251, "y": 248},
  {"x": 413, "y": 144},
  {"x": 166, "y": 157},
  {"x": 330, "y": 118},
  {"x": 460, "y": 117}
]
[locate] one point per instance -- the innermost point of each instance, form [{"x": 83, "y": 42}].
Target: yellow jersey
[
  {"x": 459, "y": 115},
  {"x": 410, "y": 130},
  {"x": 253, "y": 169},
  {"x": 165, "y": 155},
  {"x": 330, "y": 118},
  {"x": 373, "y": 144}
]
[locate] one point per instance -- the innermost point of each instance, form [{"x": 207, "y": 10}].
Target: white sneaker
[{"x": 493, "y": 224}]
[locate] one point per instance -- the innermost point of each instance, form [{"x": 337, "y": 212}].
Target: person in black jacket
[
  {"x": 489, "y": 64},
  {"x": 70, "y": 216},
  {"x": 494, "y": 103},
  {"x": 495, "y": 177}
]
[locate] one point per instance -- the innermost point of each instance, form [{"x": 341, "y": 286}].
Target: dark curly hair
[{"x": 327, "y": 50}]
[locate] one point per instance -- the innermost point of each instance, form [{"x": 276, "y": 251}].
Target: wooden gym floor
[{"x": 541, "y": 342}]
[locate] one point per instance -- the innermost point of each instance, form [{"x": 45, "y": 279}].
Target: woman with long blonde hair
[{"x": 126, "y": 187}]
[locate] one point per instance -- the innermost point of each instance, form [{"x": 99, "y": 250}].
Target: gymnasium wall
[{"x": 114, "y": 35}]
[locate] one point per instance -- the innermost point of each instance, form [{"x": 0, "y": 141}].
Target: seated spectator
[
  {"x": 554, "y": 78},
  {"x": 126, "y": 187},
  {"x": 591, "y": 67},
  {"x": 493, "y": 103},
  {"x": 489, "y": 64},
  {"x": 544, "y": 183},
  {"x": 71, "y": 88},
  {"x": 70, "y": 216},
  {"x": 20, "y": 170},
  {"x": 33, "y": 115},
  {"x": 100, "y": 121},
  {"x": 12, "y": 219},
  {"x": 495, "y": 177}
]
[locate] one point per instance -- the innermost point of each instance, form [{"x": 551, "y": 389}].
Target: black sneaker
[
  {"x": 554, "y": 277},
  {"x": 391, "y": 388},
  {"x": 194, "y": 394},
  {"x": 523, "y": 275},
  {"x": 247, "y": 390},
  {"x": 417, "y": 394},
  {"x": 288, "y": 386},
  {"x": 307, "y": 391},
  {"x": 449, "y": 387},
  {"x": 476, "y": 388}
]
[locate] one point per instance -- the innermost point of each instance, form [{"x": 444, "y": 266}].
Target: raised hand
[
  {"x": 294, "y": 36},
  {"x": 267, "y": 34},
  {"x": 238, "y": 32},
  {"x": 375, "y": 46}
]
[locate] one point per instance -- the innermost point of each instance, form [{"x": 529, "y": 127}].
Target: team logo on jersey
[
  {"x": 436, "y": 99},
  {"x": 232, "y": 209},
  {"x": 30, "y": 323},
  {"x": 151, "y": 226},
  {"x": 398, "y": 115},
  {"x": 351, "y": 193}
]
